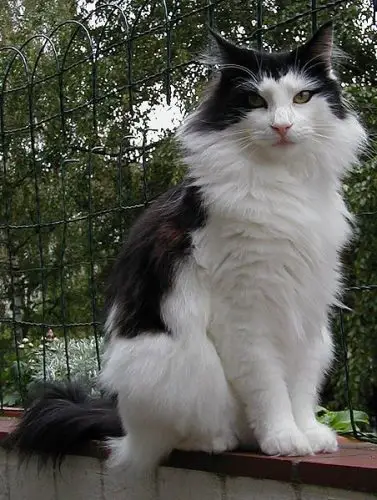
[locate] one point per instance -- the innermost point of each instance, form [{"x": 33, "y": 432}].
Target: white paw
[
  {"x": 289, "y": 441},
  {"x": 224, "y": 443},
  {"x": 321, "y": 438}
]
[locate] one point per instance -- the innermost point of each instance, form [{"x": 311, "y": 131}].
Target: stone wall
[{"x": 84, "y": 478}]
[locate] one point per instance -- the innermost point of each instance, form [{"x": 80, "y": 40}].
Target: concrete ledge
[
  {"x": 353, "y": 467},
  {"x": 84, "y": 478},
  {"x": 350, "y": 473}
]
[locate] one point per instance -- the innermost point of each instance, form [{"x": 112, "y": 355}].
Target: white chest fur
[{"x": 280, "y": 255}]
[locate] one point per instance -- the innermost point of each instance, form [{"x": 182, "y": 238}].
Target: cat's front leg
[
  {"x": 309, "y": 364},
  {"x": 253, "y": 366}
]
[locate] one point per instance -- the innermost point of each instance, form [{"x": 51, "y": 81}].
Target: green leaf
[{"x": 340, "y": 421}]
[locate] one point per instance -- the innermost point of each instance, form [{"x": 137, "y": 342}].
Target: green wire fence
[{"x": 87, "y": 112}]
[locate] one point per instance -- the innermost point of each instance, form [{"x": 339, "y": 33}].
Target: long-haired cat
[{"x": 217, "y": 310}]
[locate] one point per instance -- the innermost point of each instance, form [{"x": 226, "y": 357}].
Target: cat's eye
[
  {"x": 256, "y": 101},
  {"x": 303, "y": 97}
]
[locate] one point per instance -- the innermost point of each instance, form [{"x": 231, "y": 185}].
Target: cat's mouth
[{"x": 283, "y": 143}]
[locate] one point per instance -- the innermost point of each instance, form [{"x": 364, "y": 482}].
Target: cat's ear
[
  {"x": 320, "y": 47},
  {"x": 222, "y": 50},
  {"x": 229, "y": 56}
]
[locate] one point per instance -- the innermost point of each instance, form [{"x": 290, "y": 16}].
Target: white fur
[
  {"x": 172, "y": 390},
  {"x": 248, "y": 311}
]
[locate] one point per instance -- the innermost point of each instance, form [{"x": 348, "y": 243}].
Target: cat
[{"x": 217, "y": 308}]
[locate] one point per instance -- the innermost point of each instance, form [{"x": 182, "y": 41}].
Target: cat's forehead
[
  {"x": 264, "y": 63},
  {"x": 289, "y": 83},
  {"x": 276, "y": 71}
]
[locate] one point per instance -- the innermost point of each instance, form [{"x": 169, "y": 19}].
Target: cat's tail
[{"x": 61, "y": 419}]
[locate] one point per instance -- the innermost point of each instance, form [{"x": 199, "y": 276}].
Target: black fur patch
[
  {"x": 227, "y": 102},
  {"x": 60, "y": 420},
  {"x": 144, "y": 271}
]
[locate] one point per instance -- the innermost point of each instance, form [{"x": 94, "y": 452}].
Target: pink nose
[{"x": 282, "y": 129}]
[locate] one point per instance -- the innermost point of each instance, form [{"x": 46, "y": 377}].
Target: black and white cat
[{"x": 217, "y": 316}]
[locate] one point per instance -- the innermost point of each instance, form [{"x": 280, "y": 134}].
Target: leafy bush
[
  {"x": 81, "y": 356},
  {"x": 48, "y": 361}
]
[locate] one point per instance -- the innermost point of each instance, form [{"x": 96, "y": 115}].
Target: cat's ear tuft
[
  {"x": 320, "y": 46},
  {"x": 221, "y": 49},
  {"x": 227, "y": 55}
]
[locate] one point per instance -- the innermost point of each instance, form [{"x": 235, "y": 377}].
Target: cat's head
[{"x": 278, "y": 104}]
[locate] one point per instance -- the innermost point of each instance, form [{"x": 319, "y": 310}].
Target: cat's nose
[{"x": 281, "y": 128}]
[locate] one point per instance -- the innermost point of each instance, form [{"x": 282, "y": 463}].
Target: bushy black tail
[{"x": 61, "y": 419}]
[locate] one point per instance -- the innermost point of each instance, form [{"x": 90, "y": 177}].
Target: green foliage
[
  {"x": 359, "y": 324},
  {"x": 341, "y": 422},
  {"x": 52, "y": 365},
  {"x": 47, "y": 360}
]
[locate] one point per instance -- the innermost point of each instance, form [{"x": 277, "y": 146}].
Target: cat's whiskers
[
  {"x": 319, "y": 60},
  {"x": 238, "y": 137},
  {"x": 241, "y": 143},
  {"x": 370, "y": 152},
  {"x": 248, "y": 146},
  {"x": 322, "y": 136},
  {"x": 329, "y": 127}
]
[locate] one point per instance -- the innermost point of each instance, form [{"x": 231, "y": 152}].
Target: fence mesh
[{"x": 87, "y": 111}]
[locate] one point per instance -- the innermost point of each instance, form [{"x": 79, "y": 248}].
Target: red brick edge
[
  {"x": 353, "y": 467},
  {"x": 10, "y": 412}
]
